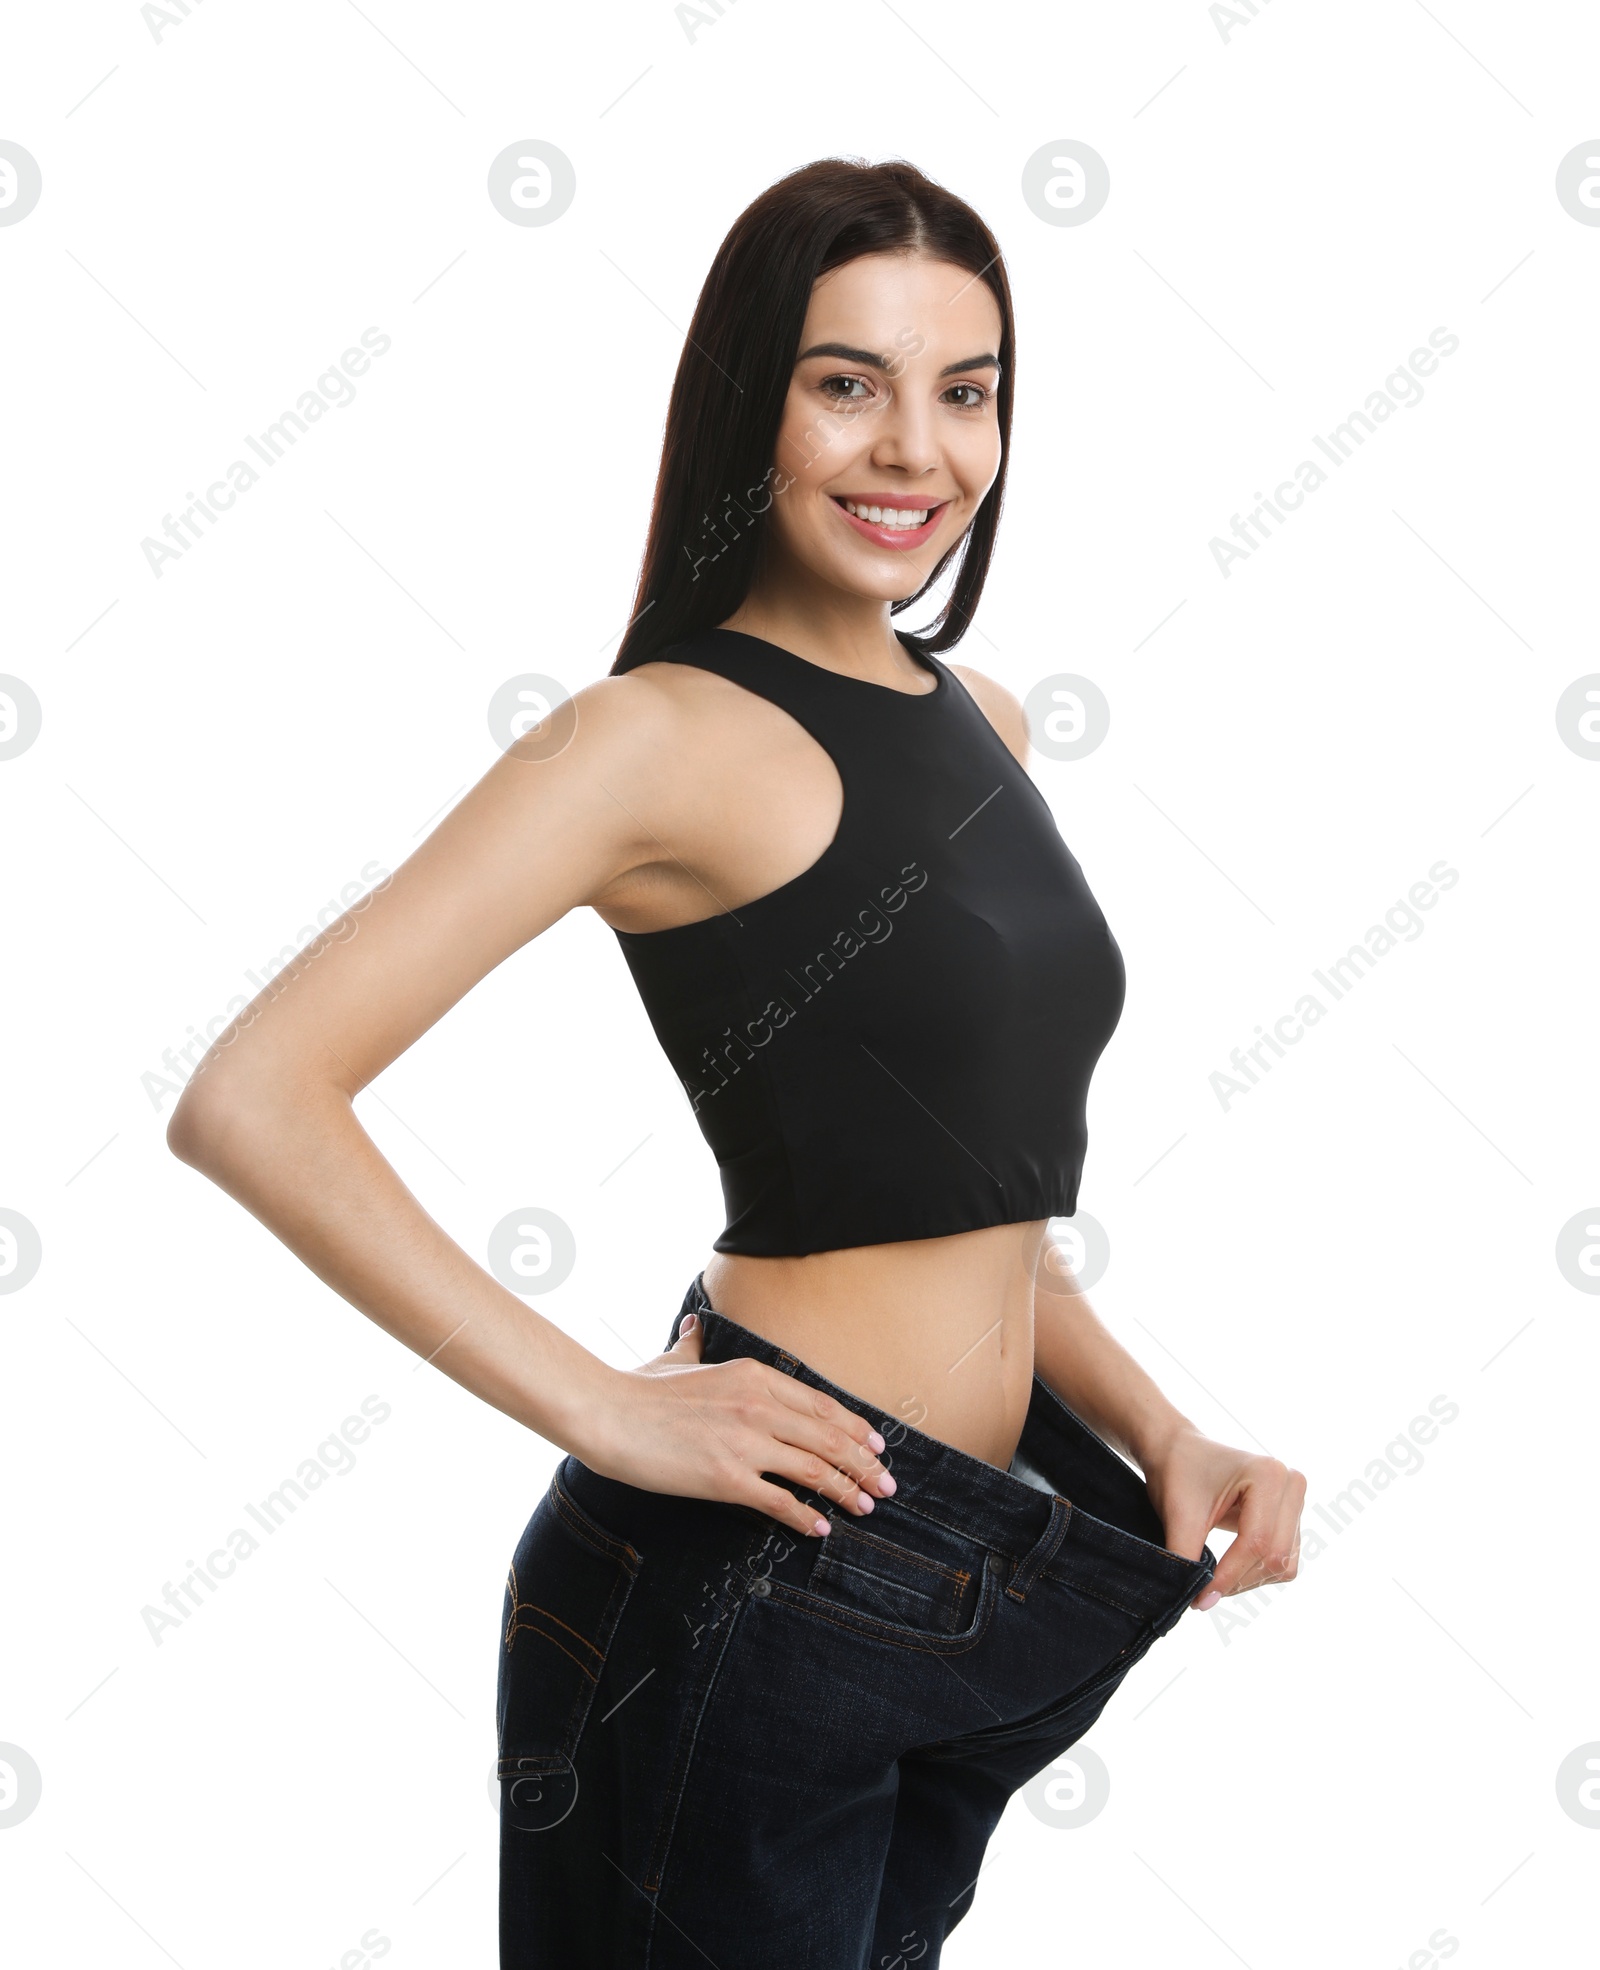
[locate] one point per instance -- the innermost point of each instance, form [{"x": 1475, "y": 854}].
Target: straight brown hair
[{"x": 714, "y": 484}]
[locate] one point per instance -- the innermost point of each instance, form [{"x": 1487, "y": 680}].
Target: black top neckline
[{"x": 940, "y": 676}]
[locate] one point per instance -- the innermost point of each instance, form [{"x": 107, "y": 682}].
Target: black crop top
[{"x": 896, "y": 1043}]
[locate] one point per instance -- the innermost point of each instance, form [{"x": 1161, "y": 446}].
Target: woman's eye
[
  {"x": 838, "y": 388},
  {"x": 975, "y": 395}
]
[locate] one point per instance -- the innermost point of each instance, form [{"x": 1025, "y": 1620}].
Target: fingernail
[
  {"x": 687, "y": 1323},
  {"x": 1208, "y": 1599},
  {"x": 822, "y": 1528},
  {"x": 875, "y": 1440},
  {"x": 886, "y": 1484},
  {"x": 866, "y": 1501}
]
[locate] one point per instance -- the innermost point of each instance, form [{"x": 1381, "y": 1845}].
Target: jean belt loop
[
  {"x": 700, "y": 1304},
  {"x": 1043, "y": 1551}
]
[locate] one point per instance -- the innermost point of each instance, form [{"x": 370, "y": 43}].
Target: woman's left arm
[{"x": 1195, "y": 1483}]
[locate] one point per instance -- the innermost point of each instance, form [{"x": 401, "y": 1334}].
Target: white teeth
[{"x": 888, "y": 516}]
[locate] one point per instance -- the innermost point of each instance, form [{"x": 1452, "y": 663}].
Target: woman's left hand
[{"x": 1198, "y": 1484}]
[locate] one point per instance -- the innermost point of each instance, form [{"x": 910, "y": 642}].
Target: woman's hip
[{"x": 1025, "y": 1579}]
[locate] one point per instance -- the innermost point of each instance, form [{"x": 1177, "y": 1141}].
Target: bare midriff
[{"x": 936, "y": 1332}]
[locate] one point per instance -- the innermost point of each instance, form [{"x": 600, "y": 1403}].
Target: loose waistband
[{"x": 1109, "y": 1517}]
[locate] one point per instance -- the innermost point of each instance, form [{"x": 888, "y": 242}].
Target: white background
[{"x": 1372, "y": 1757}]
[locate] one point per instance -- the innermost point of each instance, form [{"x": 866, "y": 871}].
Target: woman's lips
[{"x": 902, "y": 537}]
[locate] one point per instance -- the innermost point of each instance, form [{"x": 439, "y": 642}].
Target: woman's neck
[{"x": 838, "y": 630}]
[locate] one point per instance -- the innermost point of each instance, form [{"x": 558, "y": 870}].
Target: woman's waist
[
  {"x": 937, "y": 1332},
  {"x": 1071, "y": 1509}
]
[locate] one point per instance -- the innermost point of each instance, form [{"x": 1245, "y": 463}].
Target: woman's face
[{"x": 889, "y": 438}]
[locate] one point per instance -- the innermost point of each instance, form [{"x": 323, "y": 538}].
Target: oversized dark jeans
[{"x": 724, "y": 1743}]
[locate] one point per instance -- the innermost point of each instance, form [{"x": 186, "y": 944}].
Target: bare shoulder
[
  {"x": 659, "y": 695},
  {"x": 591, "y": 786},
  {"x": 673, "y": 743},
  {"x": 1001, "y": 707},
  {"x": 691, "y": 717},
  {"x": 649, "y": 717}
]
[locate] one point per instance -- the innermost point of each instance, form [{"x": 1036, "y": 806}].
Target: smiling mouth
[{"x": 893, "y": 522}]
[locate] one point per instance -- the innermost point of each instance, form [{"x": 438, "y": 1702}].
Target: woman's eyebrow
[{"x": 843, "y": 351}]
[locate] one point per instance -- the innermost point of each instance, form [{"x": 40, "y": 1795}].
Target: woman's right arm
[{"x": 268, "y": 1116}]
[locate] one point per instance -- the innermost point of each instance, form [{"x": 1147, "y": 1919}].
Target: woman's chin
[{"x": 880, "y": 578}]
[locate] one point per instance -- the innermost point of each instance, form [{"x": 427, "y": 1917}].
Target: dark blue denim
[{"x": 723, "y": 1743}]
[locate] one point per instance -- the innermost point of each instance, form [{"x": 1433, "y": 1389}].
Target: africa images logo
[
  {"x": 1401, "y": 389},
  {"x": 873, "y": 928}
]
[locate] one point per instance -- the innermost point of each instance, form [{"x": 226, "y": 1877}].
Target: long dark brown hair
[{"x": 714, "y": 485}]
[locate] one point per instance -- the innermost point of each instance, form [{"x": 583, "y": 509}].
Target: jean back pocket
[{"x": 569, "y": 1582}]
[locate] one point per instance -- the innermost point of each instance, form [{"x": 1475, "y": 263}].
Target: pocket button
[
  {"x": 761, "y": 1588},
  {"x": 997, "y": 1562}
]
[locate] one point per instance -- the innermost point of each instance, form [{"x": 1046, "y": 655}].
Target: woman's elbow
[
  {"x": 197, "y": 1125},
  {"x": 217, "y": 1113},
  {"x": 234, "y": 1113}
]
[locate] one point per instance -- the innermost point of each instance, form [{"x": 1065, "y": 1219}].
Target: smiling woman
[
  {"x": 844, "y": 293},
  {"x": 789, "y": 1732}
]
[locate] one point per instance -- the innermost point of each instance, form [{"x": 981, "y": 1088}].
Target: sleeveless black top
[{"x": 897, "y": 1043}]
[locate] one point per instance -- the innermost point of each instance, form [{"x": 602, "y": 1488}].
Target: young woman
[{"x": 818, "y": 1588}]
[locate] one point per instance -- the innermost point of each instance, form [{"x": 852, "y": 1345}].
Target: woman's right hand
[{"x": 709, "y": 1431}]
